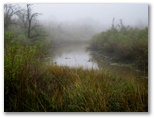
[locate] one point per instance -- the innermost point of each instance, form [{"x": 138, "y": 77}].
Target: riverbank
[
  {"x": 126, "y": 45},
  {"x": 120, "y": 69}
]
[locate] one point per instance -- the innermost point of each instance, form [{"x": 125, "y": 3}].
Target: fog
[
  {"x": 81, "y": 21},
  {"x": 131, "y": 14}
]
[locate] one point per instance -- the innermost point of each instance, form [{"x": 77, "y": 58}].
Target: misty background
[
  {"x": 131, "y": 14},
  {"x": 82, "y": 21}
]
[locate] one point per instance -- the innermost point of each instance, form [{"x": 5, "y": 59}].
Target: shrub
[{"x": 130, "y": 44}]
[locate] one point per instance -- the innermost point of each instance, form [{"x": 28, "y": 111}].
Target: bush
[
  {"x": 126, "y": 44},
  {"x": 22, "y": 67}
]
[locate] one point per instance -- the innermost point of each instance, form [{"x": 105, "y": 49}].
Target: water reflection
[{"x": 75, "y": 55}]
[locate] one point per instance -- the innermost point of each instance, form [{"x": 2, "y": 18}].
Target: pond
[{"x": 77, "y": 55}]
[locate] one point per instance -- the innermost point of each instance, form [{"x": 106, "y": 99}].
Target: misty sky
[{"x": 131, "y": 14}]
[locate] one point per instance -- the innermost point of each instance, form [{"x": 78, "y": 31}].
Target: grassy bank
[
  {"x": 68, "y": 89},
  {"x": 90, "y": 90}
]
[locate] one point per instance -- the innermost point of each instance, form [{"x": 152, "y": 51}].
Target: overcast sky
[{"x": 131, "y": 14}]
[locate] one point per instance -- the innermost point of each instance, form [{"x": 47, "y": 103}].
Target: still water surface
[{"x": 77, "y": 55}]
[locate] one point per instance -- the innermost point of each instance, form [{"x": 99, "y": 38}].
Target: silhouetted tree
[{"x": 28, "y": 22}]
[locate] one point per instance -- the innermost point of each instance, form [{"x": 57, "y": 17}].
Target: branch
[
  {"x": 33, "y": 28},
  {"x": 36, "y": 35},
  {"x": 34, "y": 15}
]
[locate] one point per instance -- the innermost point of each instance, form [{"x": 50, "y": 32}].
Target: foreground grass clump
[
  {"x": 62, "y": 88},
  {"x": 22, "y": 67},
  {"x": 91, "y": 90}
]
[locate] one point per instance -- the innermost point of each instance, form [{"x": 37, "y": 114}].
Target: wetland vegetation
[{"x": 53, "y": 69}]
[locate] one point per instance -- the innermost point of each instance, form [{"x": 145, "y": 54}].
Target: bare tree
[
  {"x": 30, "y": 17},
  {"x": 10, "y": 10},
  {"x": 28, "y": 22}
]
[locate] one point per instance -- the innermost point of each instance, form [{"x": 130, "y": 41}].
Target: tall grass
[
  {"x": 22, "y": 67},
  {"x": 91, "y": 90}
]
